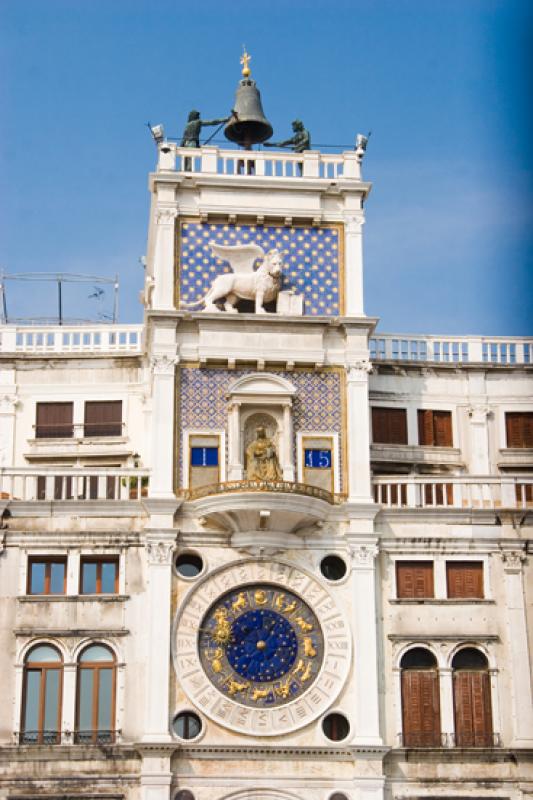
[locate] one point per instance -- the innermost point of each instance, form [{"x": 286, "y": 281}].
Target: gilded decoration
[
  {"x": 202, "y": 401},
  {"x": 312, "y": 259},
  {"x": 261, "y": 645}
]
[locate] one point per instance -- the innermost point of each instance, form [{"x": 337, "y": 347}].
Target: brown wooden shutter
[
  {"x": 472, "y": 708},
  {"x": 103, "y": 418},
  {"x": 389, "y": 425},
  {"x": 54, "y": 420},
  {"x": 414, "y": 579},
  {"x": 519, "y": 426},
  {"x": 442, "y": 425},
  {"x": 420, "y": 708},
  {"x": 425, "y": 427},
  {"x": 464, "y": 578}
]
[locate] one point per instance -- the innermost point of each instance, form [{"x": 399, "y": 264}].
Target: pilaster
[
  {"x": 163, "y": 366},
  {"x": 353, "y": 264},
  {"x": 479, "y": 439},
  {"x": 358, "y": 455},
  {"x": 163, "y": 269}
]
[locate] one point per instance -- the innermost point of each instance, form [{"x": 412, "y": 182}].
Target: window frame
[
  {"x": 410, "y": 737},
  {"x": 43, "y": 667},
  {"x": 403, "y": 562},
  {"x": 96, "y": 667},
  {"x": 48, "y": 560},
  {"x": 465, "y": 563},
  {"x": 69, "y": 426},
  {"x": 519, "y": 412},
  {"x": 99, "y": 561},
  {"x": 435, "y": 412},
  {"x": 405, "y": 422},
  {"x": 113, "y": 433},
  {"x": 188, "y": 435}
]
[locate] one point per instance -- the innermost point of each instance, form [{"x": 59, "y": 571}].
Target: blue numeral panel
[
  {"x": 204, "y": 456},
  {"x": 318, "y": 459}
]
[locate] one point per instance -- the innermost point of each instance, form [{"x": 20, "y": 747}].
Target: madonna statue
[{"x": 261, "y": 460}]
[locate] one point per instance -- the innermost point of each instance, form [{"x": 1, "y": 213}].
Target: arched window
[
  {"x": 420, "y": 699},
  {"x": 95, "y": 706},
  {"x": 471, "y": 699},
  {"x": 41, "y": 700}
]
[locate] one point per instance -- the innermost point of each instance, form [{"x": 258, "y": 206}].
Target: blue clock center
[{"x": 263, "y": 646}]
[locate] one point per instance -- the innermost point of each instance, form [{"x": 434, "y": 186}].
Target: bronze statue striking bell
[{"x": 249, "y": 126}]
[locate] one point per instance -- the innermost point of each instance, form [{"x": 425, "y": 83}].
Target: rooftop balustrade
[
  {"x": 259, "y": 163},
  {"x": 462, "y": 492},
  {"x": 57, "y": 339},
  {"x": 451, "y": 349}
]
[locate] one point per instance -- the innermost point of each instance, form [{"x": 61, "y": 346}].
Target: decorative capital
[
  {"x": 358, "y": 370},
  {"x": 363, "y": 555},
  {"x": 354, "y": 224},
  {"x": 479, "y": 413},
  {"x": 513, "y": 560},
  {"x": 163, "y": 364},
  {"x": 8, "y": 403},
  {"x": 166, "y": 216},
  {"x": 160, "y": 552}
]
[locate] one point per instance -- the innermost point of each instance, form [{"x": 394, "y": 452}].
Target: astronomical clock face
[
  {"x": 261, "y": 645},
  {"x": 261, "y": 648}
]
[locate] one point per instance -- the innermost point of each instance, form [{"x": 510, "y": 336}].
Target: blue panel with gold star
[{"x": 311, "y": 258}]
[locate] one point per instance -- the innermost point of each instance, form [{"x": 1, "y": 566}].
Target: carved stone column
[
  {"x": 353, "y": 264},
  {"x": 358, "y": 432},
  {"x": 8, "y": 405},
  {"x": 479, "y": 440},
  {"x": 365, "y": 666},
  {"x": 163, "y": 439},
  {"x": 519, "y": 659},
  {"x": 163, "y": 268},
  {"x": 159, "y": 551}
]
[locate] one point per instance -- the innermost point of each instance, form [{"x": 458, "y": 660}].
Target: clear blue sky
[{"x": 442, "y": 84}]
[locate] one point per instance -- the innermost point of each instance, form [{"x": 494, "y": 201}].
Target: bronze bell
[{"x": 249, "y": 126}]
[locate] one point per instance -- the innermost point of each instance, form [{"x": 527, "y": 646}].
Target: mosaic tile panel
[
  {"x": 310, "y": 255},
  {"x": 317, "y": 404}
]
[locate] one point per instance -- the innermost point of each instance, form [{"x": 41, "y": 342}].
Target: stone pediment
[{"x": 261, "y": 384}]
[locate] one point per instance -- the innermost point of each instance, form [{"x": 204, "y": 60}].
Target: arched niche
[{"x": 260, "y": 399}]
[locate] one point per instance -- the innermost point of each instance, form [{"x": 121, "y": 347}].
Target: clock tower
[{"x": 261, "y": 546}]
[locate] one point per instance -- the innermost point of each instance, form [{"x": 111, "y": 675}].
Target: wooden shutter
[
  {"x": 472, "y": 708},
  {"x": 414, "y": 579},
  {"x": 420, "y": 708},
  {"x": 54, "y": 420},
  {"x": 425, "y": 427},
  {"x": 464, "y": 578},
  {"x": 442, "y": 427},
  {"x": 103, "y": 418},
  {"x": 389, "y": 425},
  {"x": 519, "y": 426}
]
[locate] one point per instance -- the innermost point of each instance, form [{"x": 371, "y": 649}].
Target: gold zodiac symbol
[
  {"x": 234, "y": 687},
  {"x": 278, "y": 602},
  {"x": 299, "y": 667},
  {"x": 283, "y": 689},
  {"x": 260, "y": 597},
  {"x": 290, "y": 607},
  {"x": 303, "y": 625},
  {"x": 222, "y": 632},
  {"x": 306, "y": 674},
  {"x": 216, "y": 662},
  {"x": 309, "y": 650},
  {"x": 239, "y": 603},
  {"x": 259, "y": 694}
]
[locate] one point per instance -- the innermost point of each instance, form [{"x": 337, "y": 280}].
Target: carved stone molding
[
  {"x": 354, "y": 225},
  {"x": 163, "y": 364},
  {"x": 166, "y": 216},
  {"x": 160, "y": 553},
  {"x": 363, "y": 555},
  {"x": 8, "y": 403},
  {"x": 513, "y": 560},
  {"x": 359, "y": 370}
]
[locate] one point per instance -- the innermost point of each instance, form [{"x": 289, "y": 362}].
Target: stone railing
[
  {"x": 259, "y": 163},
  {"x": 71, "y": 484},
  {"x": 475, "y": 492},
  {"x": 36, "y": 339},
  {"x": 284, "y": 487},
  {"x": 451, "y": 349}
]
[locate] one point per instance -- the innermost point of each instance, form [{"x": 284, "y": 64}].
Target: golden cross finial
[{"x": 245, "y": 61}]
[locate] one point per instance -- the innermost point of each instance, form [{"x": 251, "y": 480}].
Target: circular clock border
[{"x": 228, "y": 712}]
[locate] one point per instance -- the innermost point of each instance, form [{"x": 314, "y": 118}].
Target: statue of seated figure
[{"x": 261, "y": 459}]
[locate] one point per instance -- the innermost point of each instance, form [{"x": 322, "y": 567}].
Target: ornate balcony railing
[
  {"x": 451, "y": 349},
  {"x": 483, "y": 492},
  {"x": 95, "y": 737},
  {"x": 57, "y": 339},
  {"x": 39, "y": 737},
  {"x": 283, "y": 487},
  {"x": 70, "y": 484},
  {"x": 259, "y": 163}
]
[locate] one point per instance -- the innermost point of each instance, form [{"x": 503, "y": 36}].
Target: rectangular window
[
  {"x": 318, "y": 469},
  {"x": 464, "y": 579},
  {"x": 99, "y": 576},
  {"x": 204, "y": 456},
  {"x": 435, "y": 428},
  {"x": 103, "y": 418},
  {"x": 414, "y": 579},
  {"x": 54, "y": 421},
  {"x": 519, "y": 428},
  {"x": 389, "y": 425},
  {"x": 47, "y": 575}
]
